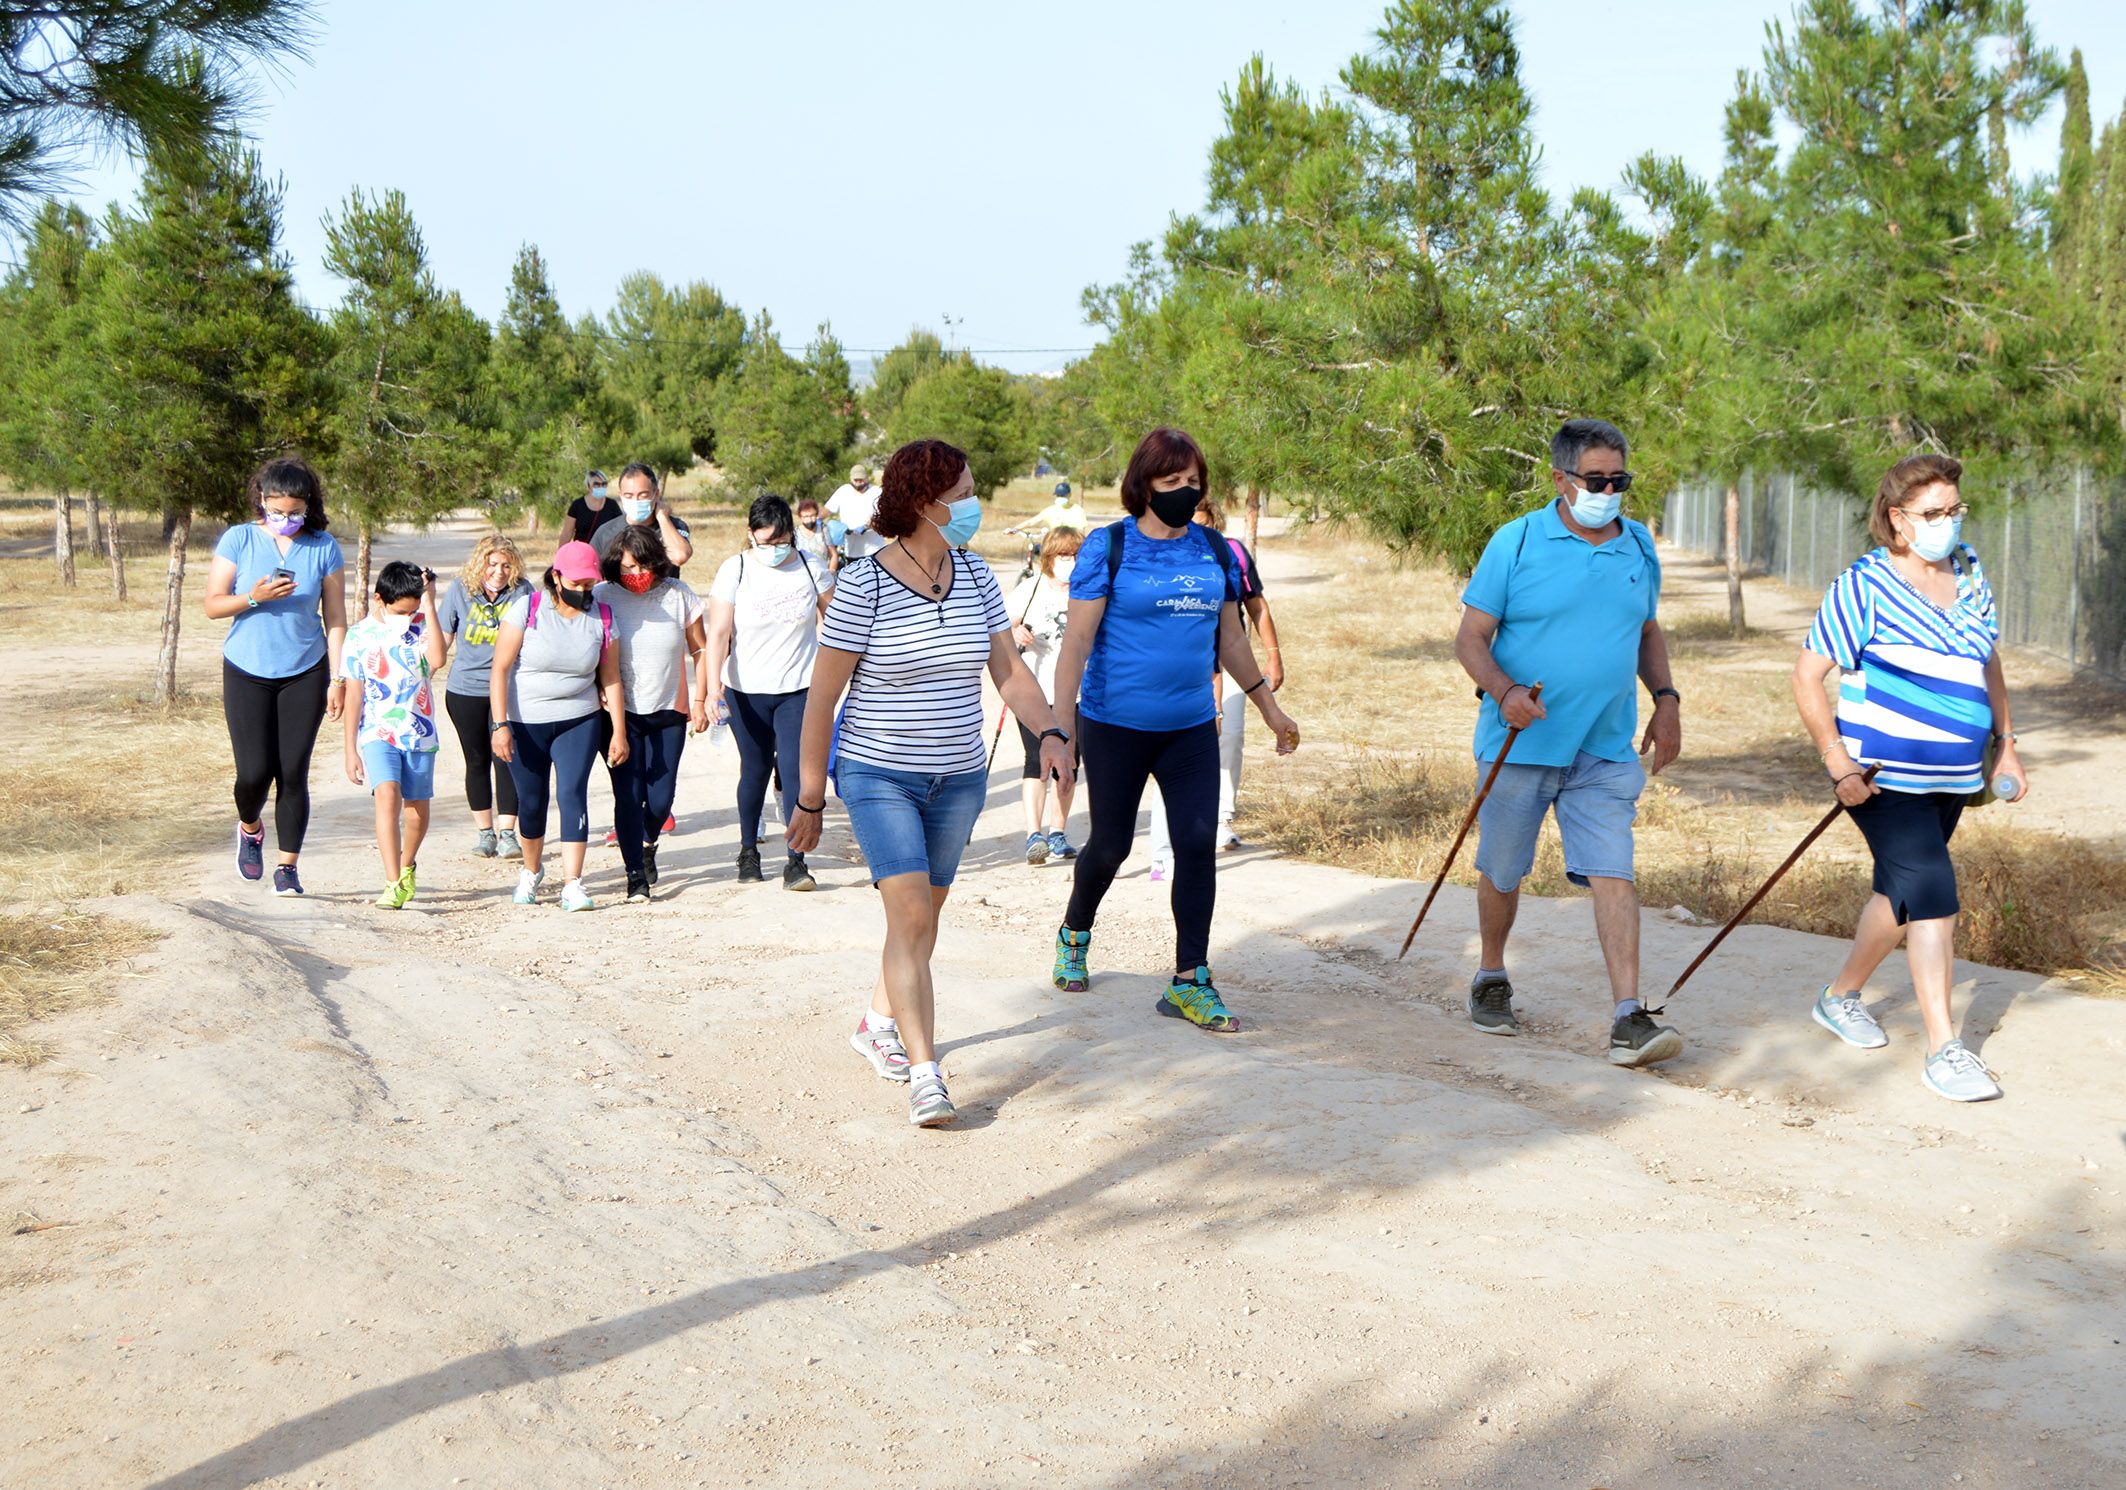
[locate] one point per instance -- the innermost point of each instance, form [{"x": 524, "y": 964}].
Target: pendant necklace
[{"x": 937, "y": 574}]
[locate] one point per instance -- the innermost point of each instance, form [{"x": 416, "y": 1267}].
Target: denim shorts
[
  {"x": 910, "y": 822},
  {"x": 413, "y": 772},
  {"x": 1596, "y": 802}
]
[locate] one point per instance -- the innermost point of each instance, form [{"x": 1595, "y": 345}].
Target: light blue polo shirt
[
  {"x": 1570, "y": 615},
  {"x": 281, "y": 637}
]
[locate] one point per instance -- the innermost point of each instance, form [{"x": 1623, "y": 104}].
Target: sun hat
[
  {"x": 576, "y": 562},
  {"x": 859, "y": 472}
]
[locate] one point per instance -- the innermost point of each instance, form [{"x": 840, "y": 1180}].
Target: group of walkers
[{"x": 1128, "y": 652}]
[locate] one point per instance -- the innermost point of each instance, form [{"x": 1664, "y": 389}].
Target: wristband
[
  {"x": 1259, "y": 683},
  {"x": 1509, "y": 693},
  {"x": 801, "y": 807},
  {"x": 1059, "y": 734}
]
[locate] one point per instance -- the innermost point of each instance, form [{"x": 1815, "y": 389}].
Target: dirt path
[{"x": 471, "y": 1195}]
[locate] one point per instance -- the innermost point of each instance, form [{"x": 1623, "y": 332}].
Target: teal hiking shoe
[
  {"x": 1071, "y": 975},
  {"x": 1194, "y": 999}
]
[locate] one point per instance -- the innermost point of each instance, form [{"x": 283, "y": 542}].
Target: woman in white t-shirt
[
  {"x": 1042, "y": 605},
  {"x": 909, "y": 633},
  {"x": 764, "y": 611},
  {"x": 657, "y": 626}
]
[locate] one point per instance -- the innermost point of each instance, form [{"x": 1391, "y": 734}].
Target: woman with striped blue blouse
[{"x": 1921, "y": 694}]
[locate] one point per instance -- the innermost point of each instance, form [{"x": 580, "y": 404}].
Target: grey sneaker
[
  {"x": 1037, "y": 849},
  {"x": 506, "y": 845},
  {"x": 1635, "y": 1040},
  {"x": 928, "y": 1104},
  {"x": 483, "y": 844},
  {"x": 1957, "y": 1074},
  {"x": 883, "y": 1049},
  {"x": 1848, "y": 1018},
  {"x": 1491, "y": 1005}
]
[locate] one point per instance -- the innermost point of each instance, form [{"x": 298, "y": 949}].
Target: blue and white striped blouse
[{"x": 1912, "y": 692}]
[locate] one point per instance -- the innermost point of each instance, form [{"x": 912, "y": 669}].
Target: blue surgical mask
[
  {"x": 636, "y": 509},
  {"x": 597, "y": 494},
  {"x": 775, "y": 553},
  {"x": 1595, "y": 509},
  {"x": 965, "y": 521},
  {"x": 1935, "y": 541}
]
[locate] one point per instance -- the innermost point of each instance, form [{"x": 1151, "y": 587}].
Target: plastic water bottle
[{"x": 2007, "y": 788}]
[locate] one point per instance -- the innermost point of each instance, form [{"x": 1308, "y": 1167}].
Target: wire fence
[{"x": 2054, "y": 548}]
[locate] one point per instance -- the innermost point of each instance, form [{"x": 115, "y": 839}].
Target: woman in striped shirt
[
  {"x": 1911, "y": 629},
  {"x": 907, "y": 634}
]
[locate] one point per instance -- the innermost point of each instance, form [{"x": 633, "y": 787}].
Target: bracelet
[
  {"x": 1058, "y": 733},
  {"x": 1824, "y": 753},
  {"x": 1259, "y": 683},
  {"x": 801, "y": 807},
  {"x": 1837, "y": 781},
  {"x": 1509, "y": 693}
]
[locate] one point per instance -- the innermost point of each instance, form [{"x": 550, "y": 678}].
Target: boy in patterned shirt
[{"x": 391, "y": 655}]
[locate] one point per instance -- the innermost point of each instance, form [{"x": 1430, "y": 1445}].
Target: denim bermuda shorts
[
  {"x": 1596, "y": 802},
  {"x": 910, "y": 822},
  {"x": 412, "y": 771}
]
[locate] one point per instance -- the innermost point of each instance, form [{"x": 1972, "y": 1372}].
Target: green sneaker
[
  {"x": 406, "y": 886},
  {"x": 394, "y": 896},
  {"x": 1195, "y": 1000},
  {"x": 1071, "y": 975}
]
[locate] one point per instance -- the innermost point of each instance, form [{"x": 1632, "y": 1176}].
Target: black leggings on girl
[
  {"x": 488, "y": 784},
  {"x": 272, "y": 730},
  {"x": 1185, "y": 764},
  {"x": 563, "y": 750},
  {"x": 766, "y": 727},
  {"x": 646, "y": 782}
]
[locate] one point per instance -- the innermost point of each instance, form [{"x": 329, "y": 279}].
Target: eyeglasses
[
  {"x": 1602, "y": 480},
  {"x": 1933, "y": 515}
]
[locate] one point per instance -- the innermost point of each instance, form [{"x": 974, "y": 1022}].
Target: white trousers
[{"x": 1231, "y": 734}]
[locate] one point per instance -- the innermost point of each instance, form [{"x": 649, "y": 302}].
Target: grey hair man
[{"x": 642, "y": 504}]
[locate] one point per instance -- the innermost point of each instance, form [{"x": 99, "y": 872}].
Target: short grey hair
[{"x": 1575, "y": 437}]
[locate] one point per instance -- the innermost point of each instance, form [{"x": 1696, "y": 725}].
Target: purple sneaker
[
  {"x": 251, "y": 852},
  {"x": 284, "y": 880}
]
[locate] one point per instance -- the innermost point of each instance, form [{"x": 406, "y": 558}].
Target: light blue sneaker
[
  {"x": 575, "y": 898},
  {"x": 1957, "y": 1074},
  {"x": 1848, "y": 1018},
  {"x": 528, "y": 882}
]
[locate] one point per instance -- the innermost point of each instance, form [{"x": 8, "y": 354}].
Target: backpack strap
[
  {"x": 1222, "y": 550},
  {"x": 605, "y": 623},
  {"x": 531, "y": 615},
  {"x": 1115, "y": 533}
]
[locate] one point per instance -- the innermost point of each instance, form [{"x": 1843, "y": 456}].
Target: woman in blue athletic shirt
[{"x": 1147, "y": 626}]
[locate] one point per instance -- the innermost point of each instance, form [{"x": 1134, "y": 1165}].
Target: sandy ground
[{"x": 474, "y": 1195}]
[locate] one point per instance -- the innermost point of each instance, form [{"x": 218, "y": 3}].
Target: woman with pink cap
[{"x": 556, "y": 672}]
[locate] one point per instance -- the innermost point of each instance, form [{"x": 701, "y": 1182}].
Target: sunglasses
[{"x": 1602, "y": 480}]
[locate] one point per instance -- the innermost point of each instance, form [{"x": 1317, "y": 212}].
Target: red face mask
[{"x": 638, "y": 581}]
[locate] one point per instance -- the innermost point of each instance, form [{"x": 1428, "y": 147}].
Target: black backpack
[{"x": 1220, "y": 548}]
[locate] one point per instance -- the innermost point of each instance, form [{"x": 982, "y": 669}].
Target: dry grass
[
  {"x": 1387, "y": 777},
  {"x": 49, "y": 964}
]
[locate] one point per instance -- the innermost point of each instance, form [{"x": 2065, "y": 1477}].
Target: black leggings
[
  {"x": 767, "y": 727},
  {"x": 646, "y": 782},
  {"x": 1185, "y": 764},
  {"x": 272, "y": 730},
  {"x": 488, "y": 784}
]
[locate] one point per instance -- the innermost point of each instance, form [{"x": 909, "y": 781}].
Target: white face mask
[
  {"x": 636, "y": 509},
  {"x": 1595, "y": 509},
  {"x": 1063, "y": 570}
]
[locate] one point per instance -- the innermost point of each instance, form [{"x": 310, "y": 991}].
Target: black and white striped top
[{"x": 915, "y": 700}]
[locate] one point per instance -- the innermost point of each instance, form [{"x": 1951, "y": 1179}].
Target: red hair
[
  {"x": 918, "y": 474},
  {"x": 1163, "y": 452}
]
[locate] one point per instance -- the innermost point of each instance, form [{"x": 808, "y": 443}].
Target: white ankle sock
[
  {"x": 922, "y": 1069},
  {"x": 874, "y": 1020}
]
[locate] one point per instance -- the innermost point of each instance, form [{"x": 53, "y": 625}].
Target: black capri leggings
[
  {"x": 1909, "y": 833},
  {"x": 488, "y": 784},
  {"x": 766, "y": 727},
  {"x": 1184, "y": 762},
  {"x": 272, "y": 730}
]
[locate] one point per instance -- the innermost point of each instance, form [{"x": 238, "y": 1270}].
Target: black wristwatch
[
  {"x": 1059, "y": 734},
  {"x": 1668, "y": 693}
]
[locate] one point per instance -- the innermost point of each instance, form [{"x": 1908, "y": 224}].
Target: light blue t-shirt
[
  {"x": 1152, "y": 661},
  {"x": 1570, "y": 615},
  {"x": 281, "y": 637}
]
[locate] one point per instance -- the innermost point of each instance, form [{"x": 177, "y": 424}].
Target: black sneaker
[
  {"x": 749, "y": 865},
  {"x": 1491, "y": 1005},
  {"x": 649, "y": 862},
  {"x": 1635, "y": 1040},
  {"x": 795, "y": 876},
  {"x": 638, "y": 888}
]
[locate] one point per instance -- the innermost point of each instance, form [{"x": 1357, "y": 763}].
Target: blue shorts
[
  {"x": 413, "y": 772},
  {"x": 910, "y": 822},
  {"x": 1596, "y": 802}
]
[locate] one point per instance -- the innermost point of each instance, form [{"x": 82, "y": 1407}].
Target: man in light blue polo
[{"x": 1568, "y": 596}]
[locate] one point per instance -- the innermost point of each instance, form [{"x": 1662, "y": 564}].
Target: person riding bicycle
[{"x": 1063, "y": 512}]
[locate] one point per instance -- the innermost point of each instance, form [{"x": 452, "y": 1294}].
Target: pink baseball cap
[{"x": 577, "y": 563}]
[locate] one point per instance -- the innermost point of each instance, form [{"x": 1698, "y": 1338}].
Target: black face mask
[
  {"x": 1176, "y": 507},
  {"x": 574, "y": 599}
]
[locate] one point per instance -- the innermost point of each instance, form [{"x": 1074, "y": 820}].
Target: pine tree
[
  {"x": 40, "y": 333},
  {"x": 665, "y": 351},
  {"x": 208, "y": 364},
  {"x": 2071, "y": 201},
  {"x": 980, "y": 409},
  {"x": 546, "y": 394},
  {"x": 920, "y": 353},
  {"x": 407, "y": 369},
  {"x": 785, "y": 424}
]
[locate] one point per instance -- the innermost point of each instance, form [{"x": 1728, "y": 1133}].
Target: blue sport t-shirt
[
  {"x": 1152, "y": 661},
  {"x": 1570, "y": 616},
  {"x": 281, "y": 637}
]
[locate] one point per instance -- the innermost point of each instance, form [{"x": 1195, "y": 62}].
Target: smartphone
[{"x": 286, "y": 574}]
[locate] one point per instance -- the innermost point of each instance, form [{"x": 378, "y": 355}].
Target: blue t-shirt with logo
[
  {"x": 1570, "y": 614},
  {"x": 279, "y": 638},
  {"x": 1152, "y": 661}
]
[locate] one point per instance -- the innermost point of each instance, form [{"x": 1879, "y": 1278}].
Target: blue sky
[{"x": 884, "y": 166}]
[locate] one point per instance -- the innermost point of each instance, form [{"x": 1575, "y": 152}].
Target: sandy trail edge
[{"x": 468, "y": 1195}]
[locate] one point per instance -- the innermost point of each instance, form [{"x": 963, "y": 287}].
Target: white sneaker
[
  {"x": 1957, "y": 1074},
  {"x": 1848, "y": 1018},
  {"x": 575, "y": 898},
  {"x": 884, "y": 1050},
  {"x": 528, "y": 882}
]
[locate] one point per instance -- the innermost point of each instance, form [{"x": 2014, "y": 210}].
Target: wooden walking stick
[
  {"x": 1766, "y": 889},
  {"x": 1535, "y": 695}
]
